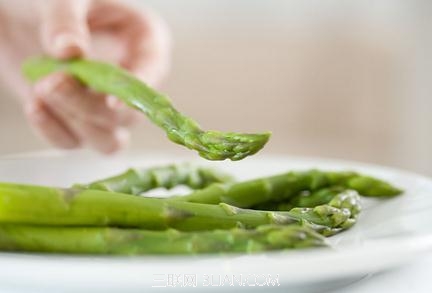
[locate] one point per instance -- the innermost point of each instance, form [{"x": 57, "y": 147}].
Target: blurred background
[{"x": 341, "y": 79}]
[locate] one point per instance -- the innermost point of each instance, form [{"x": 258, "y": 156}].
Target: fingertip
[
  {"x": 67, "y": 45},
  {"x": 129, "y": 117},
  {"x": 122, "y": 135},
  {"x": 113, "y": 103},
  {"x": 120, "y": 139},
  {"x": 64, "y": 29},
  {"x": 34, "y": 111}
]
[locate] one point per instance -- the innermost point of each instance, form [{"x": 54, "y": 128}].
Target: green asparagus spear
[
  {"x": 343, "y": 207},
  {"x": 274, "y": 206},
  {"x": 283, "y": 187},
  {"x": 340, "y": 213},
  {"x": 108, "y": 79},
  {"x": 318, "y": 197},
  {"x": 305, "y": 199},
  {"x": 137, "y": 181},
  {"x": 96, "y": 240},
  {"x": 38, "y": 205}
]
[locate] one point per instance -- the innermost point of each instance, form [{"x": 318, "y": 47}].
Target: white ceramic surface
[{"x": 388, "y": 233}]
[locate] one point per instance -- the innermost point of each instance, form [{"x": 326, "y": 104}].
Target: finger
[
  {"x": 102, "y": 140},
  {"x": 126, "y": 115},
  {"x": 146, "y": 37},
  {"x": 148, "y": 49},
  {"x": 49, "y": 127},
  {"x": 85, "y": 104},
  {"x": 57, "y": 93},
  {"x": 64, "y": 29},
  {"x": 129, "y": 117}
]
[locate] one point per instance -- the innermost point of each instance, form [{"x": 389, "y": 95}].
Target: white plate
[{"x": 388, "y": 233}]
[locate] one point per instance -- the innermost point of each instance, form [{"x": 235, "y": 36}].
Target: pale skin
[{"x": 59, "y": 108}]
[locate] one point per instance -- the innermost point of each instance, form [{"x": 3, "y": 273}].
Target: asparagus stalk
[
  {"x": 317, "y": 197},
  {"x": 108, "y": 79},
  {"x": 274, "y": 206},
  {"x": 341, "y": 212},
  {"x": 284, "y": 187},
  {"x": 137, "y": 181},
  {"x": 38, "y": 205},
  {"x": 97, "y": 240},
  {"x": 305, "y": 199}
]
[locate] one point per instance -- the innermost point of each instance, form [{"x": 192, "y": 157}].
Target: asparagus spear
[
  {"x": 283, "y": 187},
  {"x": 274, "y": 206},
  {"x": 108, "y": 79},
  {"x": 97, "y": 240},
  {"x": 341, "y": 213},
  {"x": 137, "y": 181},
  {"x": 305, "y": 199},
  {"x": 39, "y": 205},
  {"x": 317, "y": 197}
]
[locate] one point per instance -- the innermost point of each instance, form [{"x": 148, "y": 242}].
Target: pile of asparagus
[{"x": 113, "y": 215}]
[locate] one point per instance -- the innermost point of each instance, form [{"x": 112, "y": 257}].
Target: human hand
[{"x": 58, "y": 107}]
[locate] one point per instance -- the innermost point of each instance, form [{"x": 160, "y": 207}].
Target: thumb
[{"x": 64, "y": 29}]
